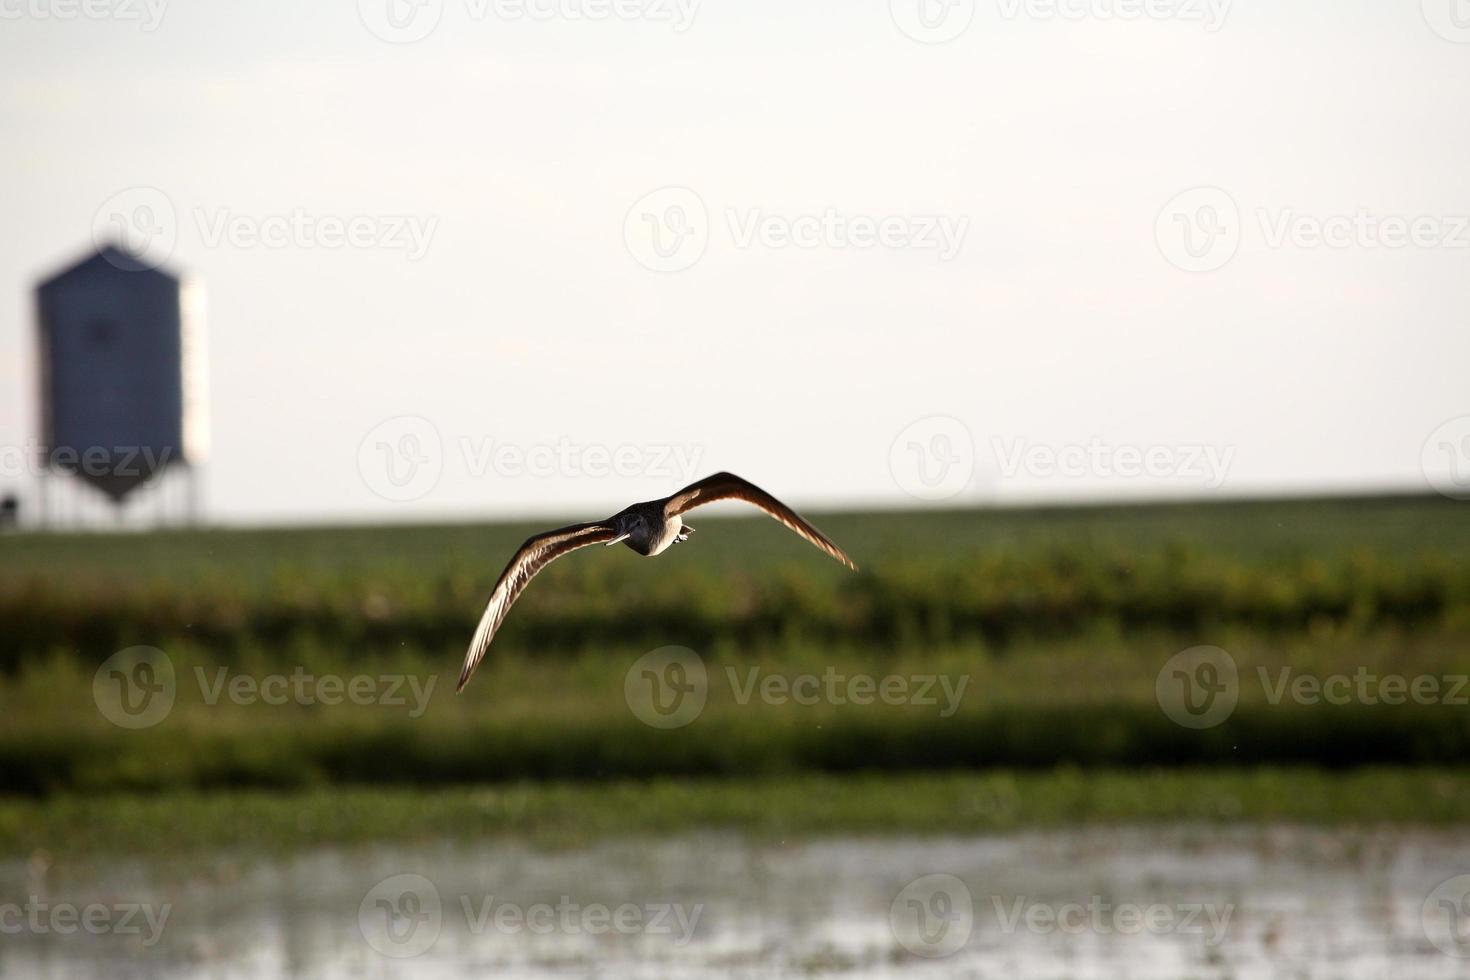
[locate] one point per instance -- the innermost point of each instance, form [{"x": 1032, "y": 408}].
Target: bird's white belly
[{"x": 664, "y": 536}]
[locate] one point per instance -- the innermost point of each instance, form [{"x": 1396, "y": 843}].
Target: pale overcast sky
[{"x": 862, "y": 253}]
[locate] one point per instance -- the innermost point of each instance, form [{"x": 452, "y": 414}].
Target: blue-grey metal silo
[{"x": 121, "y": 372}]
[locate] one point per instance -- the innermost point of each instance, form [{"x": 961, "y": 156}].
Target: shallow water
[{"x": 1175, "y": 902}]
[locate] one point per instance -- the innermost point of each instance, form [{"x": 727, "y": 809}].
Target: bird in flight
[{"x": 648, "y": 528}]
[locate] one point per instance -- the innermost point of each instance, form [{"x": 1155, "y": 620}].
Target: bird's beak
[{"x": 617, "y": 539}]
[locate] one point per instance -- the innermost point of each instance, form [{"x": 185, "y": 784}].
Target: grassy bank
[
  {"x": 1086, "y": 701},
  {"x": 997, "y": 577},
  {"x": 561, "y": 813},
  {"x": 1037, "y": 638}
]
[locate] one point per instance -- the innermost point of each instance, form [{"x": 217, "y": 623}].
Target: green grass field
[
  {"x": 933, "y": 577},
  {"x": 1040, "y": 634},
  {"x": 567, "y": 814}
]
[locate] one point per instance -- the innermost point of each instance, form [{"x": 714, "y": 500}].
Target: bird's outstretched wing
[
  {"x": 538, "y": 552},
  {"x": 728, "y": 486}
]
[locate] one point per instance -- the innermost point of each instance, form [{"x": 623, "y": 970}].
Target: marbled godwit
[{"x": 648, "y": 528}]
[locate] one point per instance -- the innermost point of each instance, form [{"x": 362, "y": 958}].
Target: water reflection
[{"x": 1197, "y": 902}]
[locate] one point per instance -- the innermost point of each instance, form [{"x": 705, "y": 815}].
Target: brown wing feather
[
  {"x": 728, "y": 486},
  {"x": 534, "y": 555}
]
